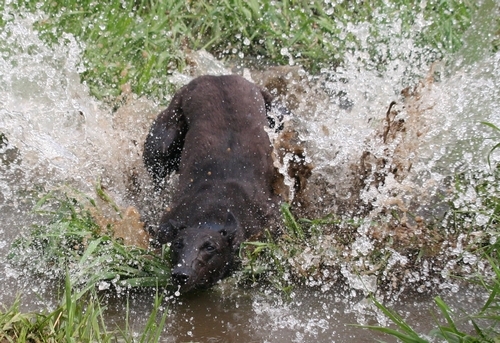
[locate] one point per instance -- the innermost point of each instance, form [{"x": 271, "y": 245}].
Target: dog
[{"x": 213, "y": 134}]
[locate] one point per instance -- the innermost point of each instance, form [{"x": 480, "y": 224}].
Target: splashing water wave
[{"x": 380, "y": 141}]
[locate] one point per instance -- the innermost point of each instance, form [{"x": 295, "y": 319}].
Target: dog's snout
[{"x": 181, "y": 277}]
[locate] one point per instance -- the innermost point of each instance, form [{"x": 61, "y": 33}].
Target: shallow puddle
[
  {"x": 232, "y": 314},
  {"x": 370, "y": 158}
]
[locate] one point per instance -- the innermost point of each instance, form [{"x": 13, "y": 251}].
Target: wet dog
[{"x": 212, "y": 134}]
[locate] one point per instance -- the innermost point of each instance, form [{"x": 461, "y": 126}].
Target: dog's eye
[
  {"x": 178, "y": 245},
  {"x": 209, "y": 247}
]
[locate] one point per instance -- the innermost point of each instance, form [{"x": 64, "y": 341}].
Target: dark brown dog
[{"x": 213, "y": 134}]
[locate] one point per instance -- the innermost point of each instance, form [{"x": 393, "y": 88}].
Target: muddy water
[
  {"x": 230, "y": 314},
  {"x": 56, "y": 133}
]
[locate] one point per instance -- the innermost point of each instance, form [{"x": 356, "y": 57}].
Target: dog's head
[{"x": 202, "y": 255}]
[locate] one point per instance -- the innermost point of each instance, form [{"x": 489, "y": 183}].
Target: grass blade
[
  {"x": 294, "y": 229},
  {"x": 405, "y": 333}
]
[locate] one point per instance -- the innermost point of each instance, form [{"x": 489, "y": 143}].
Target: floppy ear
[
  {"x": 169, "y": 230},
  {"x": 164, "y": 143}
]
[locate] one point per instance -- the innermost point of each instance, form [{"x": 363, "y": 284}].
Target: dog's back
[
  {"x": 226, "y": 162},
  {"x": 226, "y": 140},
  {"x": 213, "y": 134}
]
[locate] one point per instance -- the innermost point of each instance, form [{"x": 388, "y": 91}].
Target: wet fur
[{"x": 213, "y": 134}]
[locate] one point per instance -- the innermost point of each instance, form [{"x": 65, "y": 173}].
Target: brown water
[
  {"x": 231, "y": 314},
  {"x": 58, "y": 134}
]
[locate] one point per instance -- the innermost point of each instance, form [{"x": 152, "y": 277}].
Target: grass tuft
[
  {"x": 79, "y": 318},
  {"x": 70, "y": 245},
  {"x": 72, "y": 239},
  {"x": 403, "y": 331}
]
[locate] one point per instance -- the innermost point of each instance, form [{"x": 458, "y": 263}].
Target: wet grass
[
  {"x": 137, "y": 44},
  {"x": 78, "y": 318},
  {"x": 272, "y": 262},
  {"x": 72, "y": 237},
  {"x": 276, "y": 261},
  {"x": 452, "y": 325},
  {"x": 71, "y": 247}
]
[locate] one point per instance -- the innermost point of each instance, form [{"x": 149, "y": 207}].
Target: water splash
[
  {"x": 54, "y": 133},
  {"x": 370, "y": 156},
  {"x": 61, "y": 133}
]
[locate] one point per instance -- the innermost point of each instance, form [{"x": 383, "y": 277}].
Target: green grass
[
  {"x": 71, "y": 237},
  {"x": 141, "y": 43},
  {"x": 71, "y": 246},
  {"x": 78, "y": 318},
  {"x": 483, "y": 326},
  {"x": 269, "y": 261}
]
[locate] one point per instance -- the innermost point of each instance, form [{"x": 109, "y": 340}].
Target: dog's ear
[
  {"x": 169, "y": 230},
  {"x": 165, "y": 140}
]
